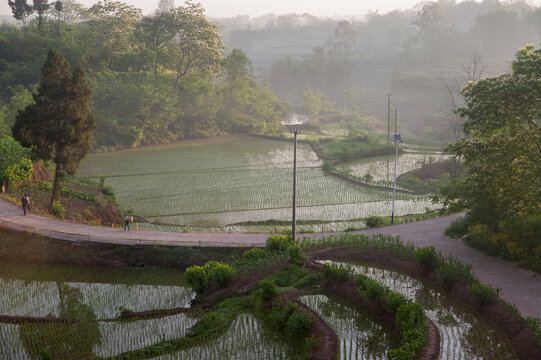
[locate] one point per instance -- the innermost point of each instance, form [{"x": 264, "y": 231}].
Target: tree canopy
[
  {"x": 502, "y": 148},
  {"x": 15, "y": 163},
  {"x": 59, "y": 124}
]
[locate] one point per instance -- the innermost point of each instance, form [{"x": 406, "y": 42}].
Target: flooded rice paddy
[{"x": 235, "y": 180}]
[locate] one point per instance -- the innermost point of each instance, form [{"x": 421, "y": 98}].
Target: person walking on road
[
  {"x": 127, "y": 222},
  {"x": 25, "y": 202}
]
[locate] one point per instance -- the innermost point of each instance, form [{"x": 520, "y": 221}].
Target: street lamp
[
  {"x": 295, "y": 132},
  {"x": 397, "y": 138}
]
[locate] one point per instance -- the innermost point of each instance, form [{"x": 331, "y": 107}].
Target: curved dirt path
[{"x": 519, "y": 286}]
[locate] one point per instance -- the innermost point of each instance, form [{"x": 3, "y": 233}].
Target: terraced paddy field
[
  {"x": 463, "y": 334},
  {"x": 215, "y": 185}
]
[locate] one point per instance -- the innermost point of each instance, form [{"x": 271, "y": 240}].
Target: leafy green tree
[
  {"x": 157, "y": 32},
  {"x": 15, "y": 163},
  {"x": 238, "y": 65},
  {"x": 197, "y": 42},
  {"x": 60, "y": 123},
  {"x": 110, "y": 30},
  {"x": 502, "y": 149},
  {"x": 312, "y": 102}
]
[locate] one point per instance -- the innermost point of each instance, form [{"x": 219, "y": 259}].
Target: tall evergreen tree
[{"x": 60, "y": 123}]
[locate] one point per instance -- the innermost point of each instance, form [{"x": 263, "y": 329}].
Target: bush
[
  {"x": 411, "y": 321},
  {"x": 268, "y": 289},
  {"x": 109, "y": 192},
  {"x": 295, "y": 255},
  {"x": 369, "y": 287},
  {"x": 298, "y": 324},
  {"x": 458, "y": 228},
  {"x": 393, "y": 301},
  {"x": 254, "y": 255},
  {"x": 220, "y": 273},
  {"x": 484, "y": 294},
  {"x": 58, "y": 209},
  {"x": 333, "y": 272},
  {"x": 427, "y": 257},
  {"x": 197, "y": 278},
  {"x": 277, "y": 243},
  {"x": 375, "y": 221}
]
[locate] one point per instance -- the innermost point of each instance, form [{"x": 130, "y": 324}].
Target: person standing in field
[{"x": 127, "y": 222}]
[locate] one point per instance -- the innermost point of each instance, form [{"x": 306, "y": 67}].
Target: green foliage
[
  {"x": 484, "y": 294},
  {"x": 295, "y": 255},
  {"x": 369, "y": 287},
  {"x": 298, "y": 324},
  {"x": 254, "y": 256},
  {"x": 334, "y": 272},
  {"x": 58, "y": 210},
  {"x": 533, "y": 325},
  {"x": 458, "y": 228},
  {"x": 197, "y": 278},
  {"x": 15, "y": 163},
  {"x": 277, "y": 243},
  {"x": 410, "y": 319},
  {"x": 375, "y": 221},
  {"x": 45, "y": 185},
  {"x": 289, "y": 276},
  {"x": 218, "y": 272},
  {"x": 76, "y": 194},
  {"x": 427, "y": 257},
  {"x": 268, "y": 289},
  {"x": 453, "y": 270}
]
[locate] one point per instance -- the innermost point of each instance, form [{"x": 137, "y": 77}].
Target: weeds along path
[{"x": 519, "y": 286}]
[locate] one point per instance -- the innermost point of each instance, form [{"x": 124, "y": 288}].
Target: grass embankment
[{"x": 24, "y": 247}]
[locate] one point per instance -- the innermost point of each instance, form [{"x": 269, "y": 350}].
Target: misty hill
[{"x": 421, "y": 56}]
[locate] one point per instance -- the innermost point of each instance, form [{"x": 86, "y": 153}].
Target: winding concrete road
[{"x": 519, "y": 286}]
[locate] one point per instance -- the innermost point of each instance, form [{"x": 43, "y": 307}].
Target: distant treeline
[
  {"x": 155, "y": 79},
  {"x": 422, "y": 56}
]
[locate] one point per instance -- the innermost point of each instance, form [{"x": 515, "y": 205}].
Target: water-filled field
[
  {"x": 379, "y": 170},
  {"x": 464, "y": 335},
  {"x": 233, "y": 180},
  {"x": 359, "y": 335},
  {"x": 95, "y": 299}
]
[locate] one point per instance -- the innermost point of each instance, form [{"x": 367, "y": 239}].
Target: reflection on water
[
  {"x": 63, "y": 340},
  {"x": 245, "y": 339},
  {"x": 359, "y": 336},
  {"x": 464, "y": 335}
]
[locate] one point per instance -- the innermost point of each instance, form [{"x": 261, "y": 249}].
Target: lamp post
[
  {"x": 397, "y": 138},
  {"x": 295, "y": 132}
]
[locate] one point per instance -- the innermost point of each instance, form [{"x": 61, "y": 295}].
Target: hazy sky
[{"x": 226, "y": 8}]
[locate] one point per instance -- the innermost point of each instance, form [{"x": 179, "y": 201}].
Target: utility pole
[
  {"x": 388, "y": 117},
  {"x": 397, "y": 138},
  {"x": 395, "y": 120},
  {"x": 293, "y": 219}
]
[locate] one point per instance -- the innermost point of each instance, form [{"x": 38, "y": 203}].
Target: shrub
[
  {"x": 277, "y": 243},
  {"x": 411, "y": 321},
  {"x": 484, "y": 294},
  {"x": 109, "y": 192},
  {"x": 393, "y": 301},
  {"x": 298, "y": 324},
  {"x": 458, "y": 228},
  {"x": 197, "y": 278},
  {"x": 220, "y": 273},
  {"x": 375, "y": 221},
  {"x": 427, "y": 257},
  {"x": 58, "y": 209},
  {"x": 295, "y": 255},
  {"x": 254, "y": 255},
  {"x": 333, "y": 272},
  {"x": 368, "y": 287},
  {"x": 268, "y": 289}
]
